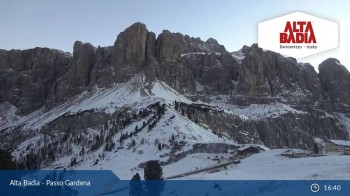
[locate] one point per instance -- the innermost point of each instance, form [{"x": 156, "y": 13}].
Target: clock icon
[{"x": 315, "y": 187}]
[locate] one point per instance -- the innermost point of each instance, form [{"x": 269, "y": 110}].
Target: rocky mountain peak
[
  {"x": 137, "y": 26},
  {"x": 26, "y": 76},
  {"x": 331, "y": 69},
  {"x": 83, "y": 55},
  {"x": 267, "y": 77},
  {"x": 214, "y": 45},
  {"x": 335, "y": 80},
  {"x": 130, "y": 46},
  {"x": 170, "y": 46},
  {"x": 77, "y": 46},
  {"x": 129, "y": 51},
  {"x": 211, "y": 41}
]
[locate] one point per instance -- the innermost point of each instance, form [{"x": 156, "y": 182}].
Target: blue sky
[{"x": 57, "y": 24}]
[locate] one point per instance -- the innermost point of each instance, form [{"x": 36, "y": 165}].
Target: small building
[
  {"x": 248, "y": 150},
  {"x": 338, "y": 146}
]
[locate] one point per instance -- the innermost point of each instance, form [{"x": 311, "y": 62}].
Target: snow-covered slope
[
  {"x": 254, "y": 111},
  {"x": 9, "y": 118},
  {"x": 125, "y": 160},
  {"x": 270, "y": 165}
]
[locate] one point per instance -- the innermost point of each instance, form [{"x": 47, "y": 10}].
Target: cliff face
[
  {"x": 335, "y": 80},
  {"x": 129, "y": 51},
  {"x": 201, "y": 70},
  {"x": 172, "y": 57},
  {"x": 27, "y": 76},
  {"x": 267, "y": 77}
]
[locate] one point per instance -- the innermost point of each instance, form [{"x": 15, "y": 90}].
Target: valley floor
[{"x": 270, "y": 165}]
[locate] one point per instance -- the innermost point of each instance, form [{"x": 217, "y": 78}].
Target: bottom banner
[
  {"x": 232, "y": 187},
  {"x": 104, "y": 182}
]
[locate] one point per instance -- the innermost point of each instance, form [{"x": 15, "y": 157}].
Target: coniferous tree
[
  {"x": 133, "y": 143},
  {"x": 136, "y": 188},
  {"x": 176, "y": 105},
  {"x": 153, "y": 170},
  {"x": 136, "y": 177},
  {"x": 109, "y": 144},
  {"x": 315, "y": 149},
  {"x": 122, "y": 137},
  {"x": 154, "y": 178}
]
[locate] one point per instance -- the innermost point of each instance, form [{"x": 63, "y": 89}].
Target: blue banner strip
[{"x": 104, "y": 182}]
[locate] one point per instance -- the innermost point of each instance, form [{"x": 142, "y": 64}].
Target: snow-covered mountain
[
  {"x": 141, "y": 112},
  {"x": 188, "y": 103}
]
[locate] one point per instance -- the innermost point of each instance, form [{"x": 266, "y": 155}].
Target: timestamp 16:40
[{"x": 332, "y": 188}]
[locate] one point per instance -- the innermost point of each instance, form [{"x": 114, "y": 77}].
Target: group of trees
[
  {"x": 109, "y": 144},
  {"x": 6, "y": 162},
  {"x": 119, "y": 123},
  {"x": 219, "y": 134},
  {"x": 200, "y": 107},
  {"x": 153, "y": 184},
  {"x": 153, "y": 121},
  {"x": 191, "y": 110},
  {"x": 159, "y": 112},
  {"x": 58, "y": 143}
]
